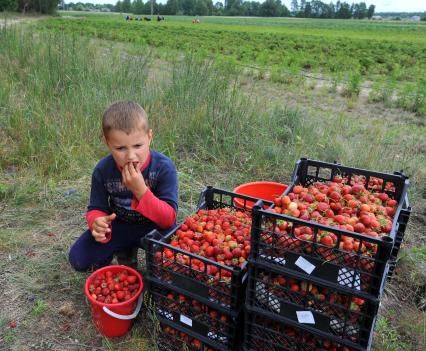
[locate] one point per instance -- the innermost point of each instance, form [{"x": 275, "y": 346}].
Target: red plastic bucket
[
  {"x": 260, "y": 190},
  {"x": 114, "y": 320}
]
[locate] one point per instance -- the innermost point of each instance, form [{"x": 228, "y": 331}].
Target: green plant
[
  {"x": 4, "y": 189},
  {"x": 353, "y": 84},
  {"x": 39, "y": 308},
  {"x": 387, "y": 339}
]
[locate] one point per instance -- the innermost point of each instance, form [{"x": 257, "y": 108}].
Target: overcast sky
[{"x": 381, "y": 5}]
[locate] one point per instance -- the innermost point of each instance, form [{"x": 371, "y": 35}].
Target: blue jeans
[{"x": 86, "y": 253}]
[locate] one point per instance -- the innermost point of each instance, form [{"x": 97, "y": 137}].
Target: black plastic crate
[
  {"x": 306, "y": 172},
  {"x": 200, "y": 277},
  {"x": 174, "y": 338},
  {"x": 404, "y": 216},
  {"x": 264, "y": 333},
  {"x": 290, "y": 295},
  {"x": 221, "y": 329},
  {"x": 354, "y": 271}
]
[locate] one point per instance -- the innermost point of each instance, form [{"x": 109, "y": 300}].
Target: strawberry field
[{"x": 390, "y": 54}]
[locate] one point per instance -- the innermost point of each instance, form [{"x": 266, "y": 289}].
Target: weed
[
  {"x": 9, "y": 337},
  {"x": 39, "y": 308},
  {"x": 387, "y": 339},
  {"x": 4, "y": 189},
  {"x": 353, "y": 84}
]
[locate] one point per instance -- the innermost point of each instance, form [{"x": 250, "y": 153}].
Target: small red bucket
[
  {"x": 260, "y": 190},
  {"x": 114, "y": 320}
]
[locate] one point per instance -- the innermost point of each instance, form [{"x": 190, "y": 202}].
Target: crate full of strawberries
[
  {"x": 334, "y": 223},
  {"x": 206, "y": 255}
]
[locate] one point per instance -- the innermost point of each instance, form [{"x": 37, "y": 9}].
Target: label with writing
[
  {"x": 305, "y": 265},
  {"x": 184, "y": 319},
  {"x": 305, "y": 317}
]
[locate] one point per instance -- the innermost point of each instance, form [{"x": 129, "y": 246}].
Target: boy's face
[{"x": 129, "y": 148}]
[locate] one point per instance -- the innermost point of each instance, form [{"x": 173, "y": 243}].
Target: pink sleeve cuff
[
  {"x": 158, "y": 211},
  {"x": 92, "y": 215}
]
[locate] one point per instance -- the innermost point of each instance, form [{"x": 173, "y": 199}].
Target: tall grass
[{"x": 53, "y": 90}]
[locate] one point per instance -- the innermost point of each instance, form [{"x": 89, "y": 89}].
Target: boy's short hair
[{"x": 125, "y": 116}]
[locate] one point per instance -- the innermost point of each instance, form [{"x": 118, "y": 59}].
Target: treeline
[
  {"x": 268, "y": 8},
  {"x": 40, "y": 6},
  {"x": 343, "y": 10}
]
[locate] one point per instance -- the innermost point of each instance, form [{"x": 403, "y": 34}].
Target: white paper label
[
  {"x": 186, "y": 320},
  {"x": 305, "y": 265},
  {"x": 305, "y": 317}
]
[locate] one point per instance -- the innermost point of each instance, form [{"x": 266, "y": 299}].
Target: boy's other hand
[
  {"x": 101, "y": 230},
  {"x": 133, "y": 179}
]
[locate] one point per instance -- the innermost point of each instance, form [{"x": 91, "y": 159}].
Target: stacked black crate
[
  {"x": 305, "y": 294},
  {"x": 402, "y": 222},
  {"x": 198, "y": 302}
]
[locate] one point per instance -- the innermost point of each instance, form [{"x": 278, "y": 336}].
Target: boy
[{"x": 134, "y": 190}]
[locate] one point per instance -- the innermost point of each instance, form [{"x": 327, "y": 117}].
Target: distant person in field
[{"x": 134, "y": 190}]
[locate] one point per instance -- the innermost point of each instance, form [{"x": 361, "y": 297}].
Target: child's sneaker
[{"x": 128, "y": 257}]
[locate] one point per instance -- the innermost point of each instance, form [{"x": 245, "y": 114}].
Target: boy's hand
[
  {"x": 133, "y": 180},
  {"x": 101, "y": 230}
]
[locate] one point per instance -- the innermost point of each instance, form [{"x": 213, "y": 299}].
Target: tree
[
  {"x": 270, "y": 8},
  {"x": 188, "y": 7},
  {"x": 251, "y": 8},
  {"x": 42, "y": 6},
  {"x": 8, "y": 5},
  {"x": 118, "y": 7},
  {"x": 236, "y": 8},
  {"x": 218, "y": 9},
  {"x": 370, "y": 11},
  {"x": 360, "y": 10},
  {"x": 210, "y": 6},
  {"x": 147, "y": 7},
  {"x": 137, "y": 7},
  {"x": 200, "y": 8},
  {"x": 172, "y": 7},
  {"x": 294, "y": 6},
  {"x": 307, "y": 12},
  {"x": 344, "y": 11},
  {"x": 126, "y": 6}
]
